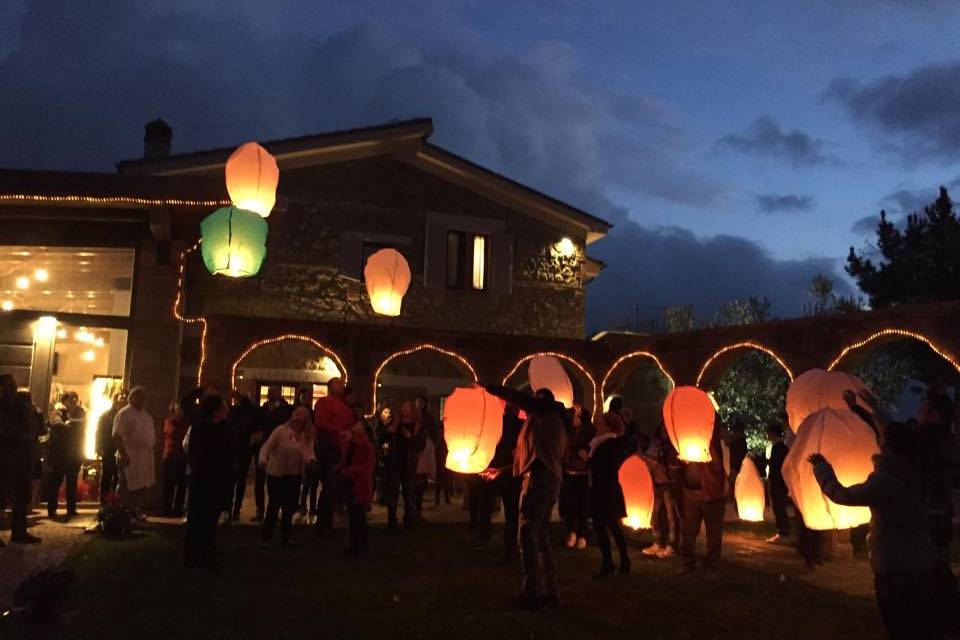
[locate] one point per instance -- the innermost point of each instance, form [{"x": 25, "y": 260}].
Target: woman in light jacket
[{"x": 285, "y": 455}]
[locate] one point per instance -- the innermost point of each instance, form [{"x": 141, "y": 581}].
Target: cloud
[
  {"x": 914, "y": 200},
  {"x": 775, "y": 203},
  {"x": 766, "y": 137},
  {"x": 866, "y": 224},
  {"x": 916, "y": 115}
]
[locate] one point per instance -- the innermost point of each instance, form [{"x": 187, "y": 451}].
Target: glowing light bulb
[
  {"x": 46, "y": 326},
  {"x": 89, "y": 355},
  {"x": 7, "y": 305},
  {"x": 566, "y": 247},
  {"x": 23, "y": 282},
  {"x": 61, "y": 334},
  {"x": 41, "y": 275}
]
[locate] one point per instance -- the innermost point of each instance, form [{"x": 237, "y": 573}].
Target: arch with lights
[
  {"x": 406, "y": 352},
  {"x": 901, "y": 333},
  {"x": 327, "y": 351},
  {"x": 594, "y": 389},
  {"x": 629, "y": 356},
  {"x": 744, "y": 345}
]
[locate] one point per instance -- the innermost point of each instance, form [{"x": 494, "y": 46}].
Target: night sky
[{"x": 739, "y": 147}]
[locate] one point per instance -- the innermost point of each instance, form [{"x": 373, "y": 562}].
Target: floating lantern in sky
[
  {"x": 387, "y": 276},
  {"x": 849, "y": 444},
  {"x": 234, "y": 242},
  {"x": 472, "y": 423},
  {"x": 748, "y": 492},
  {"x": 252, "y": 177},
  {"x": 818, "y": 389},
  {"x": 546, "y": 372},
  {"x": 637, "y": 486},
  {"x": 688, "y": 415}
]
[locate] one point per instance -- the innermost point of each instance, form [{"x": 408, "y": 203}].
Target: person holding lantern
[
  {"x": 575, "y": 493},
  {"x": 776, "y": 486},
  {"x": 332, "y": 421},
  {"x": 606, "y": 453},
  {"x": 661, "y": 459},
  {"x": 539, "y": 462},
  {"x": 498, "y": 480},
  {"x": 705, "y": 490}
]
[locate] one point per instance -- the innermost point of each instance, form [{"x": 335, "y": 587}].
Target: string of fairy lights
[
  {"x": 181, "y": 275},
  {"x": 903, "y": 333},
  {"x": 597, "y": 406},
  {"x": 327, "y": 351},
  {"x": 109, "y": 200},
  {"x": 406, "y": 352},
  {"x": 743, "y": 345}
]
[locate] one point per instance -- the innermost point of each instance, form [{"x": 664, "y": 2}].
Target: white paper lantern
[
  {"x": 252, "y": 177},
  {"x": 387, "y": 276},
  {"x": 546, "y": 372},
  {"x": 818, "y": 389},
  {"x": 472, "y": 424},
  {"x": 849, "y": 444},
  {"x": 748, "y": 492}
]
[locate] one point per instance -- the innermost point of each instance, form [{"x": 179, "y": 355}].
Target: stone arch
[
  {"x": 279, "y": 340},
  {"x": 460, "y": 361},
  {"x": 742, "y": 345},
  {"x": 901, "y": 333},
  {"x": 593, "y": 389},
  {"x": 643, "y": 407}
]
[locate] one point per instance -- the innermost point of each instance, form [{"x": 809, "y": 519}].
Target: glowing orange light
[
  {"x": 895, "y": 332},
  {"x": 748, "y": 492},
  {"x": 562, "y": 356},
  {"x": 634, "y": 476},
  {"x": 743, "y": 345},
  {"x": 198, "y": 320},
  {"x": 288, "y": 336},
  {"x": 472, "y": 424},
  {"x": 407, "y": 352}
]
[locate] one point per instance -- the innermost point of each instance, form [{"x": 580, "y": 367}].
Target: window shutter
[
  {"x": 435, "y": 256},
  {"x": 501, "y": 263}
]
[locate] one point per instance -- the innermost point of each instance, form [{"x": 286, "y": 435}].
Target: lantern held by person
[
  {"x": 472, "y": 423},
  {"x": 688, "y": 416},
  {"x": 252, "y": 176},
  {"x": 234, "y": 242},
  {"x": 637, "y": 486},
  {"x": 387, "y": 276},
  {"x": 748, "y": 492},
  {"x": 849, "y": 444},
  {"x": 817, "y": 389},
  {"x": 546, "y": 372}
]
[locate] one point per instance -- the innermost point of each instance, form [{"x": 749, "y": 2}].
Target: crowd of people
[{"x": 323, "y": 458}]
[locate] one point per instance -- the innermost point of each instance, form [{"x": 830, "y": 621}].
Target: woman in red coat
[{"x": 358, "y": 465}]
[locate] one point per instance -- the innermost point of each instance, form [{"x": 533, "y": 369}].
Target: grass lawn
[{"x": 426, "y": 584}]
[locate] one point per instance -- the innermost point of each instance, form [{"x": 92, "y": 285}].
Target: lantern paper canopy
[
  {"x": 818, "y": 389},
  {"x": 387, "y": 275},
  {"x": 472, "y": 424},
  {"x": 637, "y": 487},
  {"x": 849, "y": 444},
  {"x": 688, "y": 416},
  {"x": 252, "y": 177},
  {"x": 748, "y": 492},
  {"x": 234, "y": 242},
  {"x": 546, "y": 372}
]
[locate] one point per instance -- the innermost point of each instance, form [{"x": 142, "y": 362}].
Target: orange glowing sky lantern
[
  {"x": 472, "y": 424},
  {"x": 849, "y": 444},
  {"x": 637, "y": 486},
  {"x": 387, "y": 276},
  {"x": 748, "y": 492},
  {"x": 546, "y": 372},
  {"x": 688, "y": 415},
  {"x": 252, "y": 177},
  {"x": 818, "y": 389}
]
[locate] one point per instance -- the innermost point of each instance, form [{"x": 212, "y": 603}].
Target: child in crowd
[{"x": 357, "y": 469}]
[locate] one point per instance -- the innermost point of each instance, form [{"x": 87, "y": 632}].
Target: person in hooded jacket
[
  {"x": 575, "y": 493},
  {"x": 607, "y": 453},
  {"x": 357, "y": 470},
  {"x": 901, "y": 553}
]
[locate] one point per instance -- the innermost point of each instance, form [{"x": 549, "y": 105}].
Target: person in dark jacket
[
  {"x": 736, "y": 440},
  {"x": 901, "y": 552},
  {"x": 661, "y": 459},
  {"x": 107, "y": 450},
  {"x": 606, "y": 453},
  {"x": 704, "y": 502},
  {"x": 406, "y": 439},
  {"x": 210, "y": 456},
  {"x": 18, "y": 431},
  {"x": 274, "y": 412},
  {"x": 243, "y": 417},
  {"x": 498, "y": 480},
  {"x": 357, "y": 470},
  {"x": 381, "y": 442},
  {"x": 776, "y": 487},
  {"x": 575, "y": 492},
  {"x": 65, "y": 452}
]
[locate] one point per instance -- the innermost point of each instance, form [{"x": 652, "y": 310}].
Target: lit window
[{"x": 479, "y": 262}]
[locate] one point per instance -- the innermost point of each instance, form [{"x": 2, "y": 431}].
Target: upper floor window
[{"x": 467, "y": 260}]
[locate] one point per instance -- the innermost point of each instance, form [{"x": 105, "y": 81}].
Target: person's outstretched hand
[{"x": 816, "y": 458}]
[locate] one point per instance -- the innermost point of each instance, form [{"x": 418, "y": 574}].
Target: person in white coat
[{"x": 135, "y": 436}]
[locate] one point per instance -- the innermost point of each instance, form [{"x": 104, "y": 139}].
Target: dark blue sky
[{"x": 738, "y": 146}]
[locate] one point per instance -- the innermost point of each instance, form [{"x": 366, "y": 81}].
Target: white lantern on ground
[
  {"x": 252, "y": 177},
  {"x": 818, "y": 389},
  {"x": 748, "y": 492},
  {"x": 546, "y": 372},
  {"x": 849, "y": 444},
  {"x": 387, "y": 276}
]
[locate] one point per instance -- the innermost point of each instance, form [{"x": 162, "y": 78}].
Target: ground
[{"x": 429, "y": 584}]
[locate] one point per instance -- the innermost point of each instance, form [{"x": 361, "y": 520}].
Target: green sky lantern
[{"x": 234, "y": 242}]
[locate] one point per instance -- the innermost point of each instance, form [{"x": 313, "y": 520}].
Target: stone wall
[{"x": 302, "y": 277}]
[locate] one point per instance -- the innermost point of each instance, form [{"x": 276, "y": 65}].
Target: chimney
[{"x": 156, "y": 139}]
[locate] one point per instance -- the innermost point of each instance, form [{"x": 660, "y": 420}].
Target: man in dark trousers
[
  {"x": 333, "y": 421},
  {"x": 244, "y": 419},
  {"x": 66, "y": 452},
  {"x": 498, "y": 480},
  {"x": 539, "y": 464},
  {"x": 274, "y": 412},
  {"x": 704, "y": 501},
  {"x": 18, "y": 431},
  {"x": 776, "y": 486}
]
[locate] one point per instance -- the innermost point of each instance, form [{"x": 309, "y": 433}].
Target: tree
[
  {"x": 738, "y": 312},
  {"x": 753, "y": 388},
  {"x": 826, "y": 302},
  {"x": 921, "y": 263}
]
